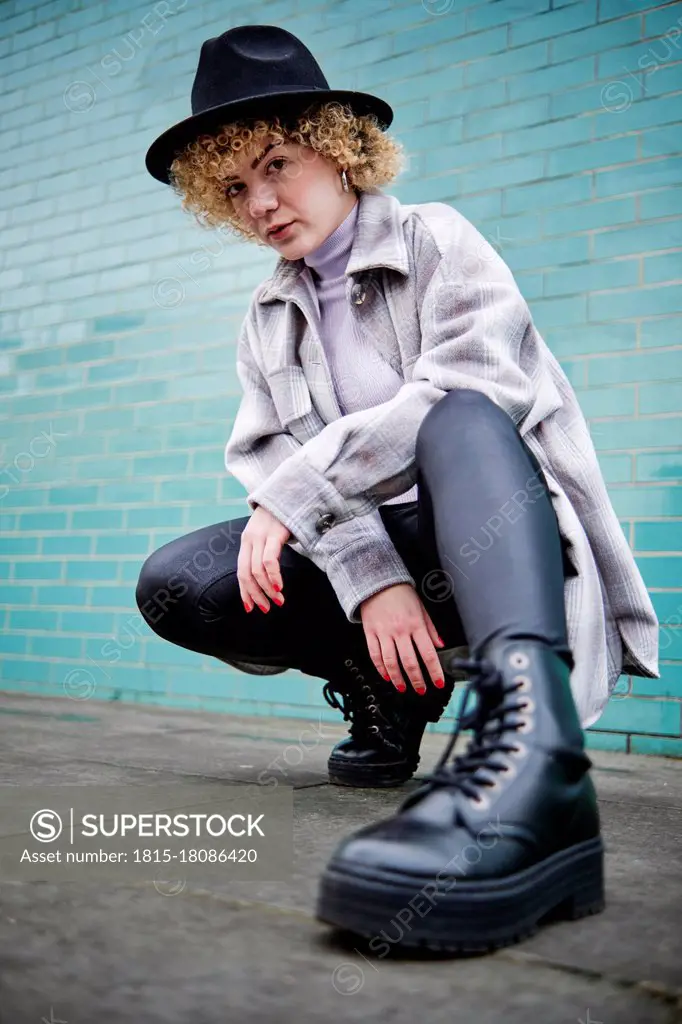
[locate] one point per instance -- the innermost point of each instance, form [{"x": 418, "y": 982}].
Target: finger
[
  {"x": 271, "y": 555},
  {"x": 247, "y": 600},
  {"x": 244, "y": 574},
  {"x": 390, "y": 659},
  {"x": 258, "y": 571},
  {"x": 256, "y": 574},
  {"x": 410, "y": 663},
  {"x": 432, "y": 631},
  {"x": 374, "y": 649},
  {"x": 424, "y": 644}
]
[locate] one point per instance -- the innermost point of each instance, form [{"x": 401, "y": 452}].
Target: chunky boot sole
[
  {"x": 458, "y": 916},
  {"x": 369, "y": 776}
]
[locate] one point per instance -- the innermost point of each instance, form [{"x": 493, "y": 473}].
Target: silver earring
[{"x": 344, "y": 181}]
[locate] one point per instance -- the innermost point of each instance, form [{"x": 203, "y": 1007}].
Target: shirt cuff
[{"x": 303, "y": 500}]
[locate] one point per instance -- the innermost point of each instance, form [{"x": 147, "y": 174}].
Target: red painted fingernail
[
  {"x": 440, "y": 683},
  {"x": 278, "y": 601},
  {"x": 246, "y": 607},
  {"x": 276, "y": 587},
  {"x": 400, "y": 689},
  {"x": 264, "y": 608},
  {"x": 387, "y": 678},
  {"x": 441, "y": 642},
  {"x": 420, "y": 689}
]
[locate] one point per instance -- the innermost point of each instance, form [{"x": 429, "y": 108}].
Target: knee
[
  {"x": 159, "y": 591},
  {"x": 460, "y": 405}
]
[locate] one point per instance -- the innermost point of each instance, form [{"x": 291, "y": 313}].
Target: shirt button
[
  {"x": 358, "y": 293},
  {"x": 325, "y": 522}
]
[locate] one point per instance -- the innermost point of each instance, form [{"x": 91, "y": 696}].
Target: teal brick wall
[{"x": 554, "y": 126}]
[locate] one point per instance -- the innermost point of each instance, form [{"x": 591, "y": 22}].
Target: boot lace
[
  {"x": 491, "y": 722},
  {"x": 359, "y": 706}
]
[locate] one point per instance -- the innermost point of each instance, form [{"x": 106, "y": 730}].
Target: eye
[{"x": 231, "y": 195}]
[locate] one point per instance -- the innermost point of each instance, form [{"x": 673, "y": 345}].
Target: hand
[
  {"x": 258, "y": 570},
  {"x": 394, "y": 618}
]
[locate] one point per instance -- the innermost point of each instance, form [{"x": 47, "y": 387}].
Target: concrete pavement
[{"x": 253, "y": 951}]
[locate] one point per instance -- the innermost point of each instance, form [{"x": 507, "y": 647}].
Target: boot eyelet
[
  {"x": 528, "y": 705},
  {"x": 520, "y": 750},
  {"x": 523, "y": 681},
  {"x": 373, "y": 729},
  {"x": 370, "y": 696},
  {"x": 361, "y": 679},
  {"x": 519, "y": 660},
  {"x": 354, "y": 668},
  {"x": 348, "y": 662},
  {"x": 509, "y": 771}
]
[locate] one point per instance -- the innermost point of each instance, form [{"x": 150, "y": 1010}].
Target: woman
[{"x": 417, "y": 464}]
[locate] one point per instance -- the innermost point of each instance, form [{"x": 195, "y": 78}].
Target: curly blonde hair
[{"x": 354, "y": 142}]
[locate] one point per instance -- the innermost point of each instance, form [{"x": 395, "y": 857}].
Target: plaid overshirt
[{"x": 443, "y": 308}]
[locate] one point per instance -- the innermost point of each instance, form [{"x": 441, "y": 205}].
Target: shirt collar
[{"x": 378, "y": 242}]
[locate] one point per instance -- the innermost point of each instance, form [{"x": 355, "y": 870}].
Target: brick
[
  {"x": 661, "y": 332},
  {"x": 661, "y": 570},
  {"x": 545, "y": 194},
  {"x": 589, "y": 215},
  {"x": 659, "y": 535},
  {"x": 661, "y": 466},
  {"x": 646, "y": 501},
  {"x": 635, "y": 366},
  {"x": 505, "y": 118},
  {"x": 616, "y": 468},
  {"x": 669, "y": 685},
  {"x": 456, "y": 101},
  {"x": 623, "y": 241},
  {"x": 668, "y": 607},
  {"x": 641, "y": 432},
  {"x": 599, "y": 403},
  {"x": 641, "y": 114},
  {"x": 637, "y": 302},
  {"x": 667, "y": 267},
  {"x": 593, "y": 277},
  {"x": 595, "y": 39},
  {"x": 554, "y": 135},
  {"x": 662, "y": 398},
  {"x": 592, "y": 338},
  {"x": 655, "y": 173},
  {"x": 597, "y": 740},
  {"x": 660, "y": 745},
  {"x": 592, "y": 156},
  {"x": 652, "y": 716}
]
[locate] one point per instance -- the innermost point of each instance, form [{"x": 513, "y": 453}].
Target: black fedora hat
[{"x": 253, "y": 71}]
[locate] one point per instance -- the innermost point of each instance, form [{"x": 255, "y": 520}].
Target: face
[{"x": 290, "y": 183}]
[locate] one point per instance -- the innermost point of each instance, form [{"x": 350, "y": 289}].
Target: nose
[{"x": 262, "y": 200}]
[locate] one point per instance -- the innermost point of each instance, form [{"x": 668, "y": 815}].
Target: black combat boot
[
  {"x": 387, "y": 727},
  {"x": 495, "y": 840}
]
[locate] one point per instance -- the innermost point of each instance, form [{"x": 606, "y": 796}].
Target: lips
[{"x": 275, "y": 233}]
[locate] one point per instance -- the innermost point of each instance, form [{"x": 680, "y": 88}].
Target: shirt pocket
[{"x": 292, "y": 400}]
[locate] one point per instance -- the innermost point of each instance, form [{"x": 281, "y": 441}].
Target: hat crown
[{"x": 251, "y": 61}]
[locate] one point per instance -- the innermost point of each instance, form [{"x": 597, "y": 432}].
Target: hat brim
[{"x": 172, "y": 142}]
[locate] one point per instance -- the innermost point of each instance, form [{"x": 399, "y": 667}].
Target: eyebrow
[{"x": 255, "y": 163}]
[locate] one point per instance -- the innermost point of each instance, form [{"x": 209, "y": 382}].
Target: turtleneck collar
[{"x": 330, "y": 259}]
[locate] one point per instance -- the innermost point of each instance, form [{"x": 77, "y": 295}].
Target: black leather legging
[{"x": 482, "y": 544}]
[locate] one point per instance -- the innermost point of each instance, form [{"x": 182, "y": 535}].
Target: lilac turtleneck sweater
[{"x": 361, "y": 377}]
